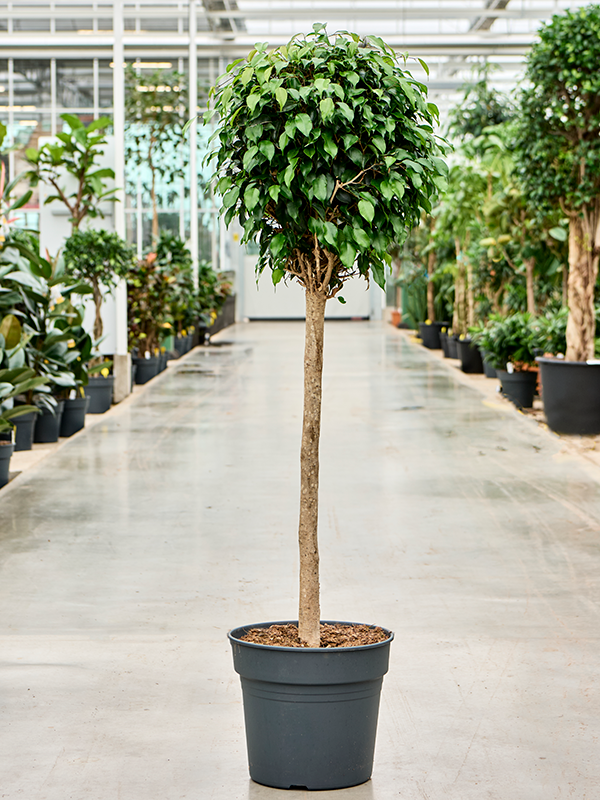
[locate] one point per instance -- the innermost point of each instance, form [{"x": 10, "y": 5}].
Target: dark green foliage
[
  {"x": 76, "y": 154},
  {"x": 97, "y": 255},
  {"x": 326, "y": 150},
  {"x": 513, "y": 339},
  {"x": 481, "y": 107},
  {"x": 558, "y": 134}
]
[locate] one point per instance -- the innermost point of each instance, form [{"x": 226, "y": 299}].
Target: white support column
[
  {"x": 193, "y": 136},
  {"x": 53, "y": 96},
  {"x": 122, "y": 359},
  {"x": 11, "y": 117}
]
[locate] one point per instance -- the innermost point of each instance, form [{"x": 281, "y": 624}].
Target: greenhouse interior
[{"x": 243, "y": 245}]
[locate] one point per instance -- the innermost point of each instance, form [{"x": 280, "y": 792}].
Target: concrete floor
[{"x": 128, "y": 554}]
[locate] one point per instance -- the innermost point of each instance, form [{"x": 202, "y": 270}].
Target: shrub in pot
[
  {"x": 511, "y": 344},
  {"x": 558, "y": 149},
  {"x": 326, "y": 155}
]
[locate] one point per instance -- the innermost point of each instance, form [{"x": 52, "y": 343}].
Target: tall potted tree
[
  {"x": 326, "y": 154},
  {"x": 558, "y": 151}
]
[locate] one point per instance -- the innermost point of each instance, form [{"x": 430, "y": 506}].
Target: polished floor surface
[{"x": 128, "y": 554}]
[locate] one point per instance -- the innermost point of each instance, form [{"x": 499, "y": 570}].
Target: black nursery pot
[
  {"x": 6, "y": 451},
  {"x": 470, "y": 357},
  {"x": 430, "y": 335},
  {"x": 571, "y": 395},
  {"x": 444, "y": 343},
  {"x": 146, "y": 369},
  {"x": 47, "y": 425},
  {"x": 25, "y": 426},
  {"x": 100, "y": 392},
  {"x": 310, "y": 713},
  {"x": 73, "y": 417},
  {"x": 452, "y": 347},
  {"x": 489, "y": 371},
  {"x": 519, "y": 387}
]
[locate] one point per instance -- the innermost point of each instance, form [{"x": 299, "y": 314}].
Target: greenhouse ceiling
[{"x": 450, "y": 35}]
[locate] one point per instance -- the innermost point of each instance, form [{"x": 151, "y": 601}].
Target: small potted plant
[
  {"x": 16, "y": 379},
  {"x": 326, "y": 155},
  {"x": 98, "y": 258},
  {"x": 511, "y": 345}
]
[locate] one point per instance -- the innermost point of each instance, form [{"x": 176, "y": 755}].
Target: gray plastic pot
[
  {"x": 6, "y": 451},
  {"x": 100, "y": 392},
  {"x": 47, "y": 424},
  {"x": 470, "y": 357},
  {"x": 73, "y": 417},
  {"x": 310, "y": 713},
  {"x": 519, "y": 387},
  {"x": 146, "y": 369},
  {"x": 25, "y": 426},
  {"x": 571, "y": 394}
]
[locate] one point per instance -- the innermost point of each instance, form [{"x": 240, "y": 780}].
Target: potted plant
[
  {"x": 326, "y": 154},
  {"x": 16, "y": 379},
  {"x": 98, "y": 258},
  {"x": 511, "y": 344},
  {"x": 558, "y": 148},
  {"x": 149, "y": 290}
]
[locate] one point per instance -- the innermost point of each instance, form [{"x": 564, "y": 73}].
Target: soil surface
[{"x": 331, "y": 635}]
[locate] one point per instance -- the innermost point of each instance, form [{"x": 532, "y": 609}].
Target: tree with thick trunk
[
  {"x": 323, "y": 156},
  {"x": 558, "y": 153}
]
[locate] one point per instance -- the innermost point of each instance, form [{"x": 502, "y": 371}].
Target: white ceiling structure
[{"x": 451, "y": 35}]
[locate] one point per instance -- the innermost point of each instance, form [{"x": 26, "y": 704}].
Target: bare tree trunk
[
  {"x": 430, "y": 287},
  {"x": 459, "y": 318},
  {"x": 529, "y": 267},
  {"x": 584, "y": 238},
  {"x": 153, "y": 194},
  {"x": 98, "y": 326},
  {"x": 565, "y": 286},
  {"x": 309, "y": 610}
]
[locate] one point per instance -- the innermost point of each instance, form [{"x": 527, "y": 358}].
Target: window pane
[
  {"x": 3, "y": 82},
  {"x": 75, "y": 84},
  {"x": 32, "y": 83},
  {"x": 105, "y": 87}
]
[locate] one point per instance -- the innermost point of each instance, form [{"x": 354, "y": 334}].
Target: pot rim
[
  {"x": 307, "y": 649},
  {"x": 555, "y": 360}
]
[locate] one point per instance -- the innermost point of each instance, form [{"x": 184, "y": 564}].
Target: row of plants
[
  {"x": 61, "y": 373},
  {"x": 518, "y": 230}
]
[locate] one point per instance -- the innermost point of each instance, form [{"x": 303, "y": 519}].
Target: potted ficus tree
[
  {"x": 327, "y": 155},
  {"x": 99, "y": 258},
  {"x": 558, "y": 152}
]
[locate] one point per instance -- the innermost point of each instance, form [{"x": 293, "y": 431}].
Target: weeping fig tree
[
  {"x": 558, "y": 152},
  {"x": 326, "y": 154}
]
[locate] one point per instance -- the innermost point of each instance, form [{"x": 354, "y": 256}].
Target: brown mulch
[{"x": 331, "y": 635}]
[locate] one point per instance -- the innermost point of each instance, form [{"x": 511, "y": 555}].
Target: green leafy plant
[
  {"x": 99, "y": 258},
  {"x": 558, "y": 149},
  {"x": 76, "y": 154},
  {"x": 149, "y": 292},
  {"x": 326, "y": 154},
  {"x": 155, "y": 107},
  {"x": 512, "y": 339},
  {"x": 16, "y": 380}
]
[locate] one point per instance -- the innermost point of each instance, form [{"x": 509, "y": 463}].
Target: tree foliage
[
  {"x": 76, "y": 154},
  {"x": 558, "y": 141},
  {"x": 326, "y": 151}
]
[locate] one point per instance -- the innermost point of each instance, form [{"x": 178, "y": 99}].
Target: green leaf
[
  {"x": 424, "y": 65},
  {"x": 288, "y": 175},
  {"x": 230, "y": 198},
  {"x": 379, "y": 143},
  {"x": 347, "y": 255},
  {"x": 560, "y": 234},
  {"x": 277, "y": 275},
  {"x": 251, "y": 197},
  {"x": 320, "y": 188},
  {"x": 252, "y": 100},
  {"x": 277, "y": 244},
  {"x": 274, "y": 192},
  {"x": 361, "y": 237},
  {"x": 326, "y": 107},
  {"x": 246, "y": 75},
  {"x": 304, "y": 123},
  {"x": 341, "y": 299},
  {"x": 347, "y": 112},
  {"x": 367, "y": 209},
  {"x": 330, "y": 146},
  {"x": 267, "y": 149},
  {"x": 10, "y": 329},
  {"x": 281, "y": 96}
]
